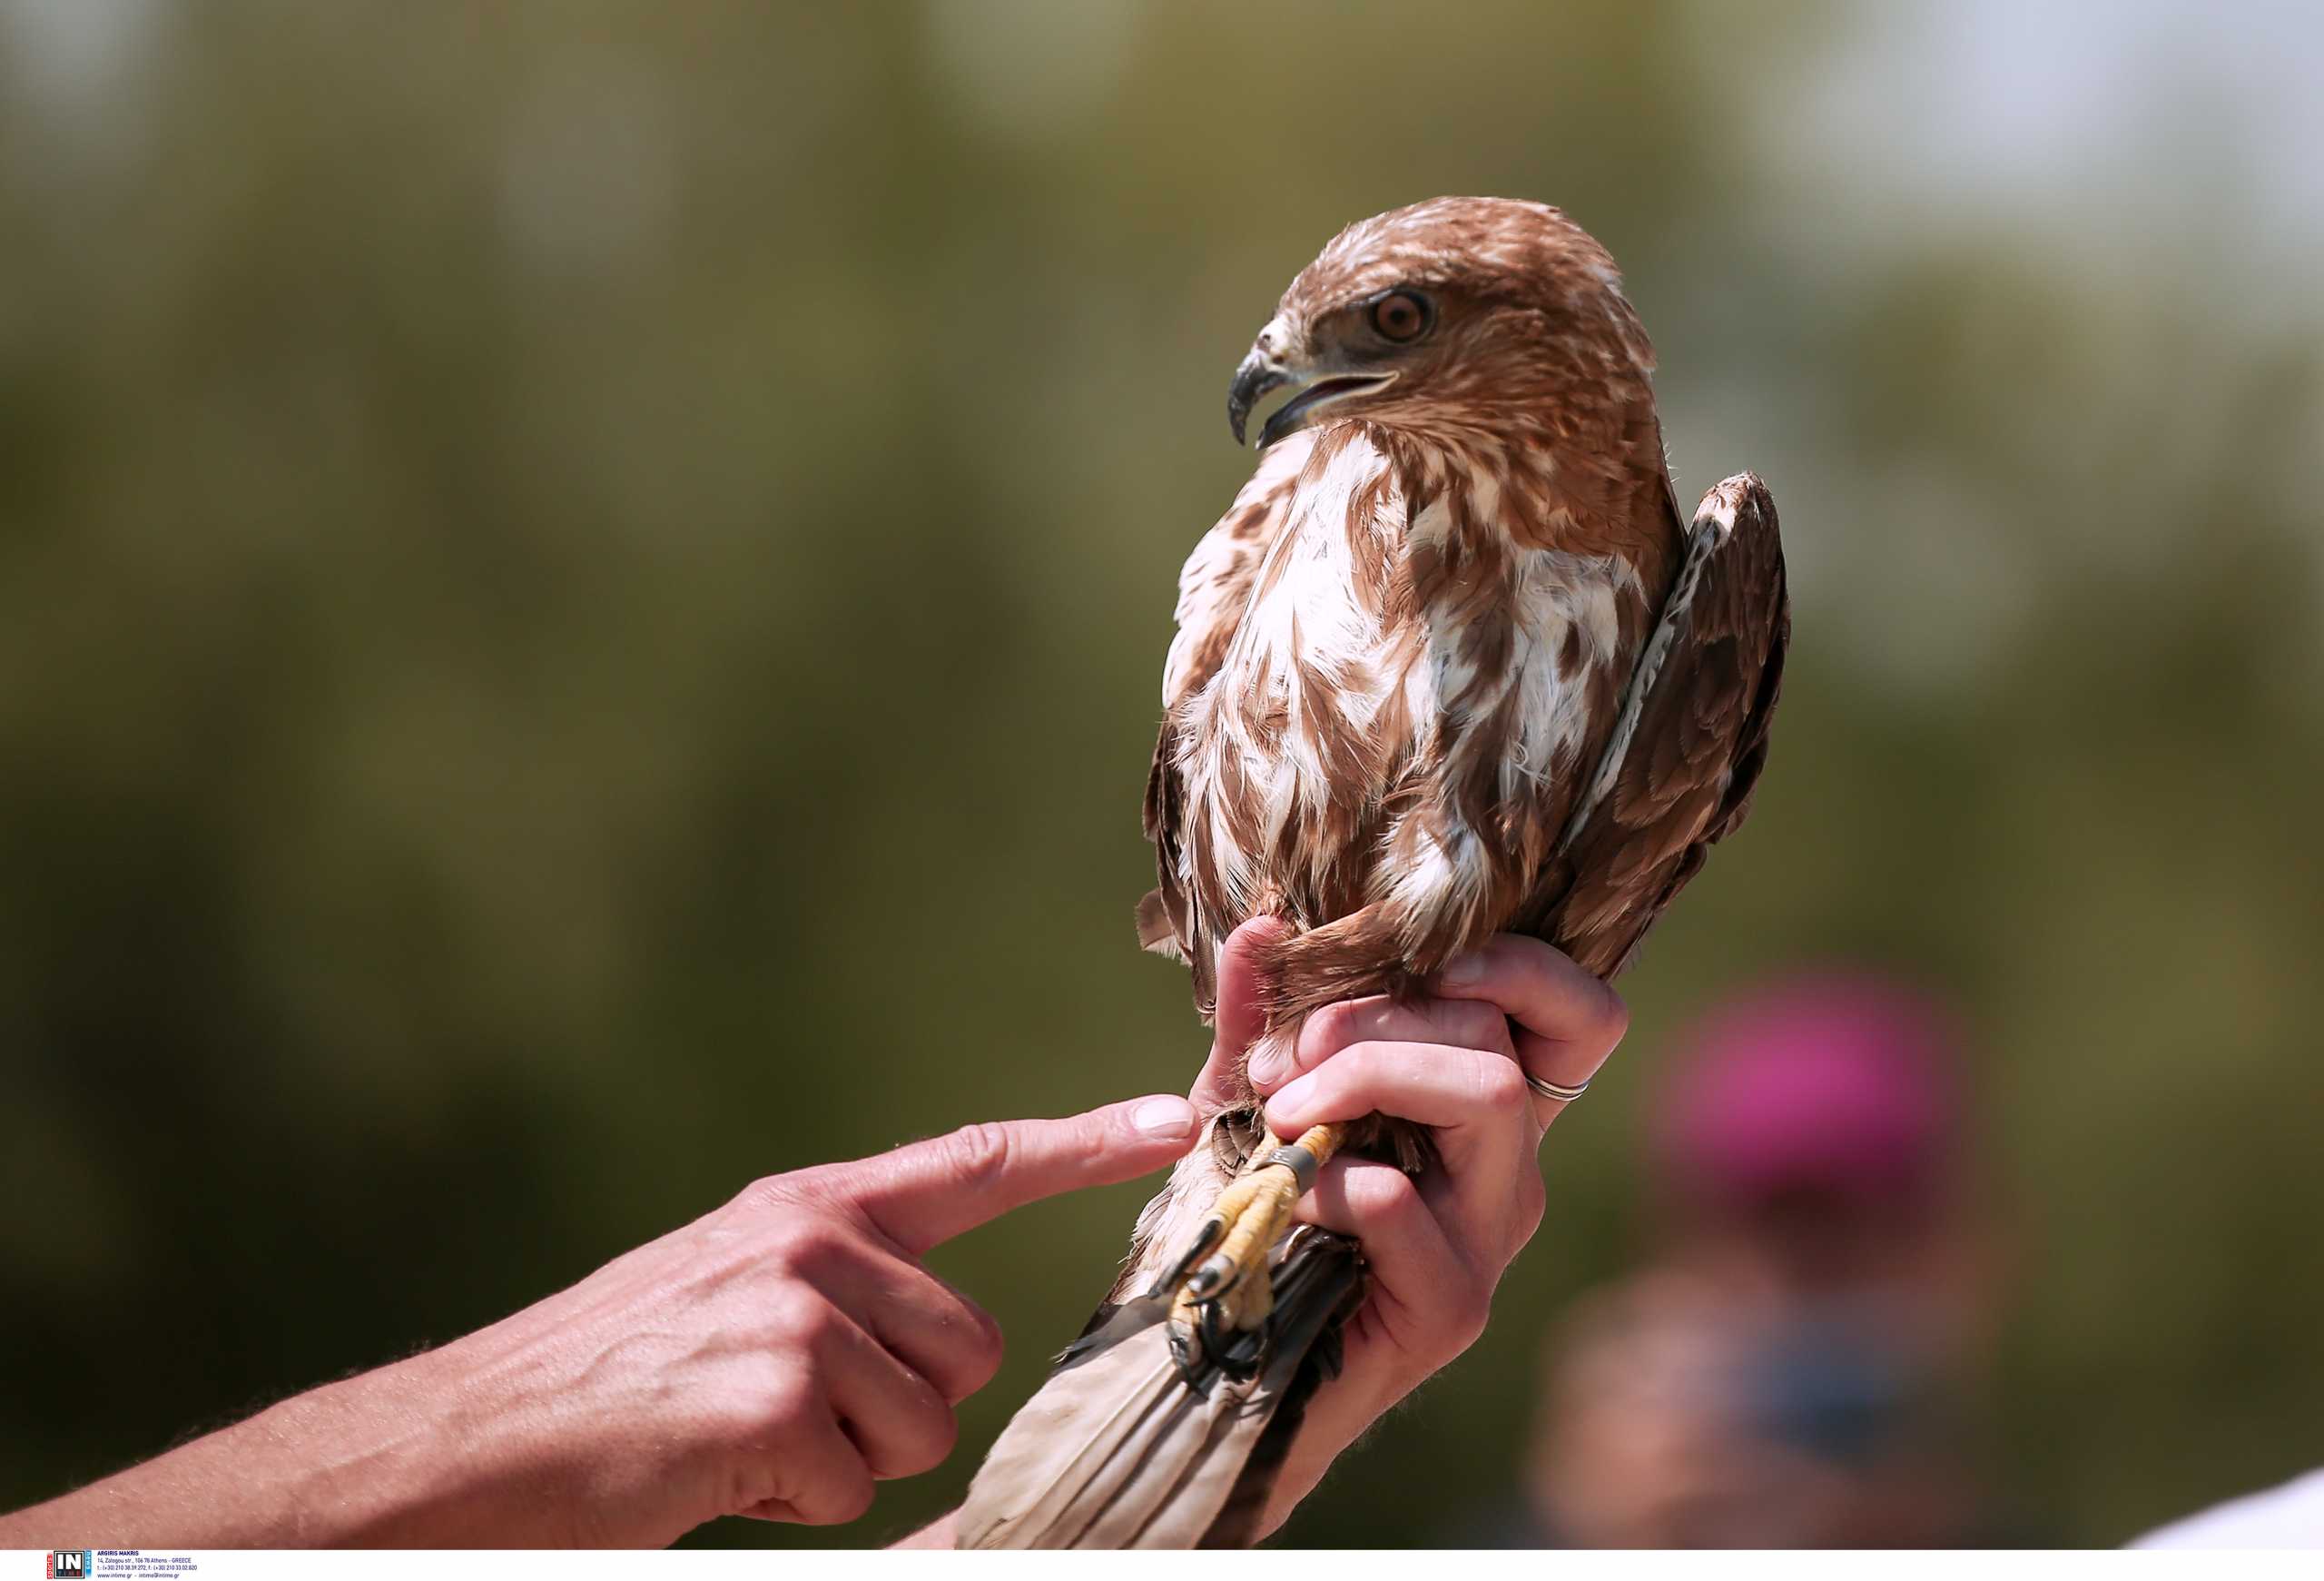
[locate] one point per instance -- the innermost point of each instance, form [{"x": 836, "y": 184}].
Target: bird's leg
[{"x": 1226, "y": 1269}]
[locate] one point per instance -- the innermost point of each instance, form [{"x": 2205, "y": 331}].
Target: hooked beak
[{"x": 1260, "y": 375}]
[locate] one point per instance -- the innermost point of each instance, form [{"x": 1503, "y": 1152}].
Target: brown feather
[
  {"x": 1451, "y": 665},
  {"x": 1699, "y": 744}
]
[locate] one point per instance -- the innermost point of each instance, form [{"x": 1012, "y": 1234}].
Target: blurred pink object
[{"x": 1845, "y": 1085}]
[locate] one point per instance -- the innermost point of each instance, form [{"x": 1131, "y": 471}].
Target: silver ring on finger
[{"x": 1542, "y": 1089}]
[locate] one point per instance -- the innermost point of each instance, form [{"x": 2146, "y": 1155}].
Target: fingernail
[
  {"x": 1269, "y": 1063},
  {"x": 1463, "y": 970},
  {"x": 1165, "y": 1119}
]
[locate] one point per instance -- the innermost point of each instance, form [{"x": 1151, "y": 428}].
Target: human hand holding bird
[{"x": 1438, "y": 1244}]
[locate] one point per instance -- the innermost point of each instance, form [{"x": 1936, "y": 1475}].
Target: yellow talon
[{"x": 1240, "y": 1232}]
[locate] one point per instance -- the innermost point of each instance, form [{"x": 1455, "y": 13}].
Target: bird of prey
[{"x": 1453, "y": 664}]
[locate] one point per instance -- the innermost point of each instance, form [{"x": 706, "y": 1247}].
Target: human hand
[
  {"x": 1437, "y": 1245},
  {"x": 780, "y": 1355},
  {"x": 774, "y": 1358}
]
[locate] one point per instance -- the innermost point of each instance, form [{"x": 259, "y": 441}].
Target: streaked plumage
[{"x": 1452, "y": 665}]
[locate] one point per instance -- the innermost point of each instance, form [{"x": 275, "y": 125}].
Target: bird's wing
[
  {"x": 1688, "y": 747},
  {"x": 1214, "y": 591}
]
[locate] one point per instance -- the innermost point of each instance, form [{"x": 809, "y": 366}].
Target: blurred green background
[{"x": 582, "y": 589}]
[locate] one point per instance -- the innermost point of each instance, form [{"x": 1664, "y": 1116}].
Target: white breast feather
[{"x": 1308, "y": 611}]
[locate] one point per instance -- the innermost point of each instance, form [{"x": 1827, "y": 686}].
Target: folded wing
[{"x": 1688, "y": 747}]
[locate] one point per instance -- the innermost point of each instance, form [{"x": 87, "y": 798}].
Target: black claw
[
  {"x": 1208, "y": 1235},
  {"x": 1239, "y": 1354}
]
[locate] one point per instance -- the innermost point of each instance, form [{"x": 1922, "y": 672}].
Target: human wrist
[
  {"x": 390, "y": 1457},
  {"x": 504, "y": 1447},
  {"x": 434, "y": 1450}
]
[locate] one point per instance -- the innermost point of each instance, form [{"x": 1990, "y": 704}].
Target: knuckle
[
  {"x": 1533, "y": 1207},
  {"x": 928, "y": 1444},
  {"x": 807, "y": 1244},
  {"x": 1328, "y": 1031},
  {"x": 943, "y": 1434},
  {"x": 1382, "y": 1192},
  {"x": 981, "y": 1348},
  {"x": 1613, "y": 1017},
  {"x": 768, "y": 1191},
  {"x": 1471, "y": 1310},
  {"x": 801, "y": 1322},
  {"x": 977, "y": 1155},
  {"x": 1500, "y": 1085},
  {"x": 787, "y": 1404},
  {"x": 1476, "y": 1024},
  {"x": 1363, "y": 1065},
  {"x": 854, "y": 1501},
  {"x": 849, "y": 1498},
  {"x": 823, "y": 1192}
]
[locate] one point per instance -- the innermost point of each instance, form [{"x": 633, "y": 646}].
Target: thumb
[
  {"x": 929, "y": 1191},
  {"x": 1238, "y": 1020}
]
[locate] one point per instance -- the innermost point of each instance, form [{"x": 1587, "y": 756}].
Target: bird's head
[{"x": 1468, "y": 317}]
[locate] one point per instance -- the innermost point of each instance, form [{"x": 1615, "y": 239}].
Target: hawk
[{"x": 1453, "y": 664}]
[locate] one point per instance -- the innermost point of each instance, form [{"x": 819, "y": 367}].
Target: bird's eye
[{"x": 1400, "y": 316}]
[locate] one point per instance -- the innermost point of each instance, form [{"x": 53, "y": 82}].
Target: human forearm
[
  {"x": 773, "y": 1358},
  {"x": 384, "y": 1458}
]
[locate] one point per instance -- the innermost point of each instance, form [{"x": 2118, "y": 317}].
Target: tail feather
[
  {"x": 1126, "y": 1446},
  {"x": 1339, "y": 1270}
]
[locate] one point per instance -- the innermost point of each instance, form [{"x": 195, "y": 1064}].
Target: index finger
[
  {"x": 929, "y": 1191},
  {"x": 1567, "y": 1021}
]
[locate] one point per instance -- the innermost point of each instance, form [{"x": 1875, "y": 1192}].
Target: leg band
[{"x": 1304, "y": 1165}]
